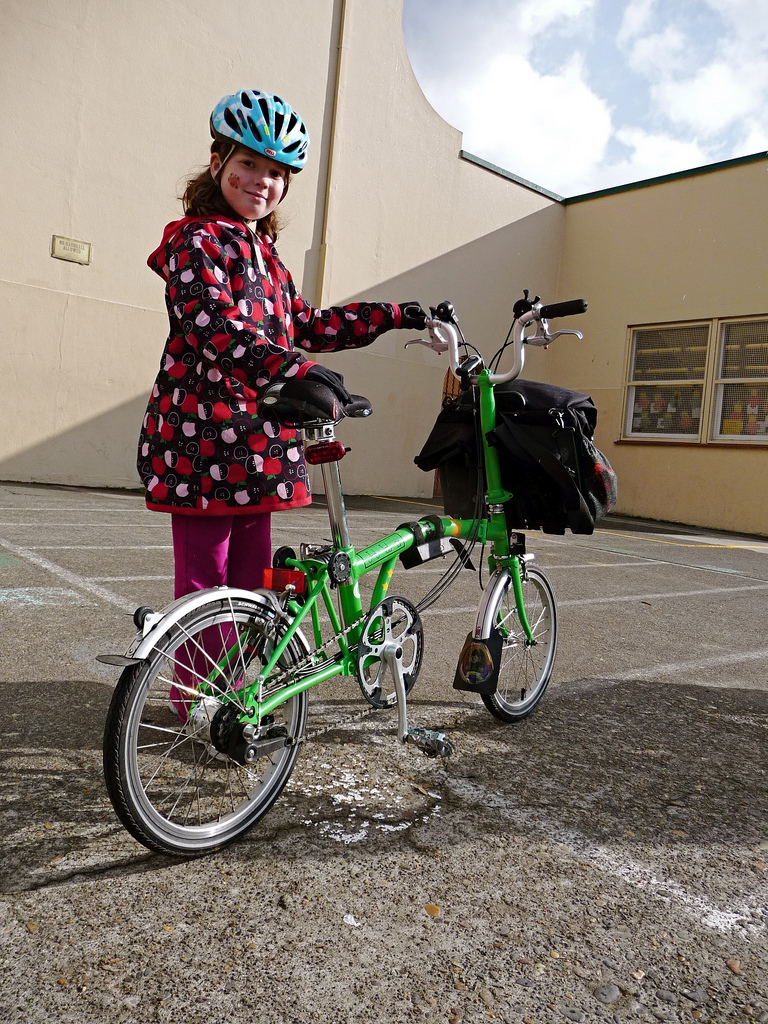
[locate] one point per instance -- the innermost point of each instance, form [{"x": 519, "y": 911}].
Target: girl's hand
[
  {"x": 322, "y": 375},
  {"x": 412, "y": 316}
]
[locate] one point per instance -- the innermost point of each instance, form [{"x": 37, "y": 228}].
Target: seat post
[{"x": 337, "y": 513}]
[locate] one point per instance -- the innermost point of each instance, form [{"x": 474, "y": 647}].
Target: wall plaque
[{"x": 71, "y": 249}]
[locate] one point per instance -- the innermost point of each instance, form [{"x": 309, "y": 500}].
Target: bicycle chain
[{"x": 308, "y": 660}]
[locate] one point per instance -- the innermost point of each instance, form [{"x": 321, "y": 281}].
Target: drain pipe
[{"x": 321, "y": 285}]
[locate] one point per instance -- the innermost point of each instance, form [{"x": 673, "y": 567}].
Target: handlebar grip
[{"x": 569, "y": 308}]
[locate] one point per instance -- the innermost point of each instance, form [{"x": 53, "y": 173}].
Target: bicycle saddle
[{"x": 296, "y": 402}]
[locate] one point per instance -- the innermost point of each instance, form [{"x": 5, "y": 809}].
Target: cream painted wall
[
  {"x": 685, "y": 249},
  {"x": 106, "y": 113},
  {"x": 107, "y": 110},
  {"x": 409, "y": 219}
]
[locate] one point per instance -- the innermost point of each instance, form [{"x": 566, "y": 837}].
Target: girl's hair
[{"x": 202, "y": 196}]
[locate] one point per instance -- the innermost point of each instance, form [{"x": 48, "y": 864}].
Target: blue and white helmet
[{"x": 264, "y": 123}]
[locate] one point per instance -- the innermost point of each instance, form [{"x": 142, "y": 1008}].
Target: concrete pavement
[{"x": 603, "y": 860}]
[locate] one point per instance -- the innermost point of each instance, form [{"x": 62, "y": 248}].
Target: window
[
  {"x": 698, "y": 382},
  {"x": 741, "y": 385}
]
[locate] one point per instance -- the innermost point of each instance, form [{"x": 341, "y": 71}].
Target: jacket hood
[{"x": 158, "y": 260}]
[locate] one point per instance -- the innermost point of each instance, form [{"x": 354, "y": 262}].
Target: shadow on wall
[
  {"x": 99, "y": 452},
  {"x": 482, "y": 278}
]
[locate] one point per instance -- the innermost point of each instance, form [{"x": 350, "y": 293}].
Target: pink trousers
[
  {"x": 214, "y": 551},
  {"x": 218, "y": 551}
]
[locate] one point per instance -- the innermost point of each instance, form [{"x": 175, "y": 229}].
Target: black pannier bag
[{"x": 558, "y": 478}]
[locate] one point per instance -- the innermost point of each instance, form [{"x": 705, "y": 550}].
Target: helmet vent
[
  {"x": 255, "y": 129},
  {"x": 231, "y": 120},
  {"x": 279, "y": 120},
  {"x": 245, "y": 99},
  {"x": 264, "y": 106},
  {"x": 292, "y": 122}
]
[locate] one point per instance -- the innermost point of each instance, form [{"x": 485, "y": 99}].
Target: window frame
[
  {"x": 712, "y": 384},
  {"x": 719, "y": 384}
]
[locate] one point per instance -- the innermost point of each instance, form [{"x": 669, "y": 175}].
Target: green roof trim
[
  {"x": 508, "y": 174},
  {"x": 675, "y": 176},
  {"x": 629, "y": 187}
]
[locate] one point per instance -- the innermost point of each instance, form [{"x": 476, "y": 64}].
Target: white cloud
[
  {"x": 637, "y": 15},
  {"x": 717, "y": 96},
  {"x": 522, "y": 119},
  {"x": 653, "y": 155},
  {"x": 537, "y": 16},
  {"x": 659, "y": 54},
  {"x": 679, "y": 85},
  {"x": 746, "y": 20}
]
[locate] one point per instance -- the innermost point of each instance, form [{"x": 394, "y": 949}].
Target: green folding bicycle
[{"x": 244, "y": 661}]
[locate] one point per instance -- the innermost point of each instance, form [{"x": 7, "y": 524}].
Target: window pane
[
  {"x": 741, "y": 410},
  {"x": 670, "y": 353},
  {"x": 671, "y": 411},
  {"x": 744, "y": 349}
]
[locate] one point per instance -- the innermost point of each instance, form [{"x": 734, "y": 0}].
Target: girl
[{"x": 235, "y": 320}]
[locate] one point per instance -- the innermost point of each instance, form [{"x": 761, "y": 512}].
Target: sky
[{"x": 581, "y": 95}]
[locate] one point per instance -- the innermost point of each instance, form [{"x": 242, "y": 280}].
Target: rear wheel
[
  {"x": 171, "y": 786},
  {"x": 526, "y": 667}
]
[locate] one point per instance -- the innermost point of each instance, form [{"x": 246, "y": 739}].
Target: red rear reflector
[
  {"x": 325, "y": 451},
  {"x": 281, "y": 579}
]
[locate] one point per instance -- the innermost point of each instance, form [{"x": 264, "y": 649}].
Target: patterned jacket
[{"x": 235, "y": 319}]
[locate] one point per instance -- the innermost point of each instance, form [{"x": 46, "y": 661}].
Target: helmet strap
[{"x": 224, "y": 159}]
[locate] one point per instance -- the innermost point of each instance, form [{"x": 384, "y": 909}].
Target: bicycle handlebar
[
  {"x": 570, "y": 308},
  {"x": 445, "y": 336}
]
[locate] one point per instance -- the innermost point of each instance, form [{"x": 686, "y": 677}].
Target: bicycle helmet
[{"x": 264, "y": 123}]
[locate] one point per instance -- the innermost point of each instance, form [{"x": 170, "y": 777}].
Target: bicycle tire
[
  {"x": 172, "y": 790},
  {"x": 525, "y": 668}
]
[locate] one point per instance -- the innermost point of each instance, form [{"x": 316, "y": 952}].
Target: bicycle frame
[
  {"x": 382, "y": 555},
  {"x": 504, "y": 562}
]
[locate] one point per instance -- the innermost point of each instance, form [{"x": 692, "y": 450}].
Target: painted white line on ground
[
  {"x": 710, "y": 592},
  {"x": 625, "y": 869},
  {"x": 622, "y": 598},
  {"x": 74, "y": 580},
  {"x": 52, "y": 510},
  {"x": 39, "y": 526},
  {"x": 550, "y": 567},
  {"x": 100, "y": 547},
  {"x": 650, "y": 672},
  {"x": 38, "y": 597},
  {"x": 125, "y": 579}
]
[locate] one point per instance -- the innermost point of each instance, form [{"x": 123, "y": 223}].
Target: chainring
[{"x": 393, "y": 619}]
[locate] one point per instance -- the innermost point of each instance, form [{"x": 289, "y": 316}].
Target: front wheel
[
  {"x": 525, "y": 667},
  {"x": 170, "y": 784}
]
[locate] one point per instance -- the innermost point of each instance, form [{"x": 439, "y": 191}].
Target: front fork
[{"x": 487, "y": 613}]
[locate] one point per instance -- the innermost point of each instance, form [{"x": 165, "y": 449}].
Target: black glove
[
  {"x": 412, "y": 316},
  {"x": 322, "y": 375}
]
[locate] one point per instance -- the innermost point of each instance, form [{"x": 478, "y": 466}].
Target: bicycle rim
[
  {"x": 169, "y": 785},
  {"x": 525, "y": 667}
]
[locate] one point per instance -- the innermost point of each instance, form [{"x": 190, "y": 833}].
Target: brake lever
[
  {"x": 436, "y": 345},
  {"x": 542, "y": 338},
  {"x": 566, "y": 330}
]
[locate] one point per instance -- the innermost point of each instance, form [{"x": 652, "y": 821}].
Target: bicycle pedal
[{"x": 431, "y": 742}]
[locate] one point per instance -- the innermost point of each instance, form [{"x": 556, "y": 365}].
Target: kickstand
[{"x": 429, "y": 741}]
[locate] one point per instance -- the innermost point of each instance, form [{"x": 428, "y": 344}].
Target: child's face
[{"x": 252, "y": 184}]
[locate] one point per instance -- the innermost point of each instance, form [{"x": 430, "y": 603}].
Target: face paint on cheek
[{"x": 233, "y": 181}]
